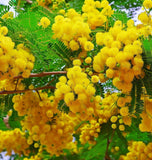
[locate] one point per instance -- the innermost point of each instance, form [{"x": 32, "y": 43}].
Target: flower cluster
[
  {"x": 89, "y": 132},
  {"x": 138, "y": 150},
  {"x": 11, "y": 58},
  {"x": 78, "y": 93},
  {"x": 14, "y": 141},
  {"x": 8, "y": 15},
  {"x": 93, "y": 15},
  {"x": 120, "y": 58},
  {"x": 74, "y": 28},
  {"x": 44, "y": 121},
  {"x": 55, "y": 3},
  {"x": 108, "y": 107},
  {"x": 146, "y": 122}
]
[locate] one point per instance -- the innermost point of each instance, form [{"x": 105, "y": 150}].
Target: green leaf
[
  {"x": 2, "y": 125},
  {"x": 98, "y": 151}
]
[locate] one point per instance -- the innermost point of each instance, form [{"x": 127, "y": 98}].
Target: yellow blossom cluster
[
  {"x": 14, "y": 140},
  {"x": 146, "y": 122},
  {"x": 138, "y": 150},
  {"x": 122, "y": 117},
  {"x": 33, "y": 158},
  {"x": 11, "y": 85},
  {"x": 89, "y": 132},
  {"x": 93, "y": 15},
  {"x": 13, "y": 62},
  {"x": 44, "y": 2},
  {"x": 44, "y": 121},
  {"x": 8, "y": 15},
  {"x": 73, "y": 31},
  {"x": 108, "y": 107},
  {"x": 145, "y": 29},
  {"x": 78, "y": 93},
  {"x": 120, "y": 58},
  {"x": 55, "y": 3}
]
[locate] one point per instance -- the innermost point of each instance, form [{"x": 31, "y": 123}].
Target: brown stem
[
  {"x": 106, "y": 154},
  {"x": 108, "y": 143},
  {"x": 16, "y": 84},
  {"x": 39, "y": 95},
  {"x": 21, "y": 91},
  {"x": 43, "y": 74}
]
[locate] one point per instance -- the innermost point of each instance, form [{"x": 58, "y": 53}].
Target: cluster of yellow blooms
[
  {"x": 138, "y": 150},
  {"x": 11, "y": 85},
  {"x": 122, "y": 114},
  {"x": 89, "y": 132},
  {"x": 44, "y": 2},
  {"x": 146, "y": 122},
  {"x": 78, "y": 93},
  {"x": 14, "y": 141},
  {"x": 120, "y": 56},
  {"x": 72, "y": 28},
  {"x": 94, "y": 17},
  {"x": 11, "y": 58},
  {"x": 8, "y": 15},
  {"x": 145, "y": 29},
  {"x": 55, "y": 3},
  {"x": 44, "y": 121}
]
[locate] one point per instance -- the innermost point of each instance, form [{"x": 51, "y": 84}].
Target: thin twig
[
  {"x": 39, "y": 95},
  {"x": 22, "y": 91},
  {"x": 43, "y": 74},
  {"x": 16, "y": 84},
  {"x": 107, "y": 157}
]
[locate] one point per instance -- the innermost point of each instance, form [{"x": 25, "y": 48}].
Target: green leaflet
[
  {"x": 4, "y": 9},
  {"x": 76, "y": 4},
  {"x": 98, "y": 151},
  {"x": 2, "y": 125}
]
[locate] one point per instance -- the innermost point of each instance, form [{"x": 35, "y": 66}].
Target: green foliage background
[{"x": 24, "y": 29}]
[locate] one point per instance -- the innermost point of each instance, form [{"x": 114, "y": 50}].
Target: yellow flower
[
  {"x": 69, "y": 97},
  {"x": 124, "y": 111},
  {"x": 147, "y": 4},
  {"x": 111, "y": 62},
  {"x": 116, "y": 148},
  {"x": 77, "y": 62},
  {"x": 63, "y": 79},
  {"x": 88, "y": 46},
  {"x": 74, "y": 45},
  {"x": 3, "y": 30},
  {"x": 36, "y": 145},
  {"x": 121, "y": 127},
  {"x": 7, "y": 15},
  {"x": 44, "y": 22},
  {"x": 113, "y": 119},
  {"x": 61, "y": 11},
  {"x": 109, "y": 73},
  {"x": 113, "y": 126},
  {"x": 88, "y": 60},
  {"x": 144, "y": 18},
  {"x": 95, "y": 79}
]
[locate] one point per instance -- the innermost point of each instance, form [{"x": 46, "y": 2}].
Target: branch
[
  {"x": 43, "y": 74},
  {"x": 107, "y": 157},
  {"x": 21, "y": 91}
]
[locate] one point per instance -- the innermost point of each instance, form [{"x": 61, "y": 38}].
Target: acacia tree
[{"x": 75, "y": 81}]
